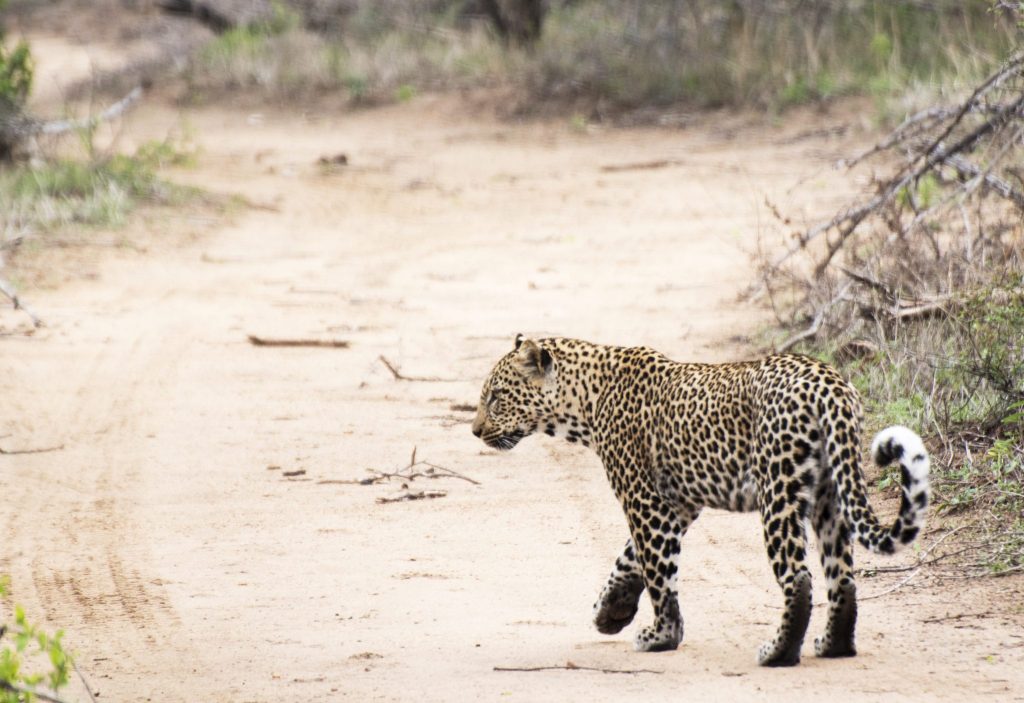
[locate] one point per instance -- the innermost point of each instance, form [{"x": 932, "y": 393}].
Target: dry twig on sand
[
  {"x": 409, "y": 473},
  {"x": 323, "y": 343},
  {"x": 399, "y": 376},
  {"x": 28, "y": 693},
  {"x": 570, "y": 666},
  {"x": 409, "y": 495},
  {"x": 8, "y": 290},
  {"x": 43, "y": 450}
]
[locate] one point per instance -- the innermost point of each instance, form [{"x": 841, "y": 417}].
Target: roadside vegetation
[
  {"x": 606, "y": 57},
  {"x": 53, "y": 176},
  {"x": 95, "y": 190},
  {"x": 33, "y": 663}
]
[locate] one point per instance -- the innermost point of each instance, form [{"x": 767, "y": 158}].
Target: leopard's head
[{"x": 517, "y": 396}]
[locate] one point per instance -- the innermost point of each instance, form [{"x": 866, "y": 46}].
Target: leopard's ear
[
  {"x": 519, "y": 340},
  {"x": 535, "y": 361}
]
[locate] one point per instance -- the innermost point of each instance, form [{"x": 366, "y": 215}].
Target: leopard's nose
[{"x": 477, "y": 431}]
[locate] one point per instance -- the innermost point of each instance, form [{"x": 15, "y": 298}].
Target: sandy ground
[{"x": 185, "y": 564}]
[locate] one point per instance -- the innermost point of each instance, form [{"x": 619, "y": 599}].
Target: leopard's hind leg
[
  {"x": 784, "y": 504},
  {"x": 837, "y": 562}
]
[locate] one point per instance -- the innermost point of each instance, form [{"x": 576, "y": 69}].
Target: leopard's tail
[{"x": 905, "y": 446}]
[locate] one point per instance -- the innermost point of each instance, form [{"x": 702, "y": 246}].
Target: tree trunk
[{"x": 516, "y": 21}]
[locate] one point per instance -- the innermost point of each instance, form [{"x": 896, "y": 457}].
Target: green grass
[{"x": 99, "y": 191}]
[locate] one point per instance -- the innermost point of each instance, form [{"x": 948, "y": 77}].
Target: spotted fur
[{"x": 780, "y": 435}]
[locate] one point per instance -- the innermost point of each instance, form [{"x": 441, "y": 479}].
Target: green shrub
[
  {"x": 15, "y": 72},
  {"x": 30, "y": 659}
]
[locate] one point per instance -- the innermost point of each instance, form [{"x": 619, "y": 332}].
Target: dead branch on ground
[
  {"x": 29, "y": 693},
  {"x": 413, "y": 470},
  {"x": 325, "y": 343},
  {"x": 895, "y": 588},
  {"x": 959, "y": 616},
  {"x": 11, "y": 294},
  {"x": 409, "y": 495},
  {"x": 43, "y": 450},
  {"x": 642, "y": 165},
  {"x": 399, "y": 376},
  {"x": 570, "y": 666}
]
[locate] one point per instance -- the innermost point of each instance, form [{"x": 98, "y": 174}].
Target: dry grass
[{"x": 613, "y": 55}]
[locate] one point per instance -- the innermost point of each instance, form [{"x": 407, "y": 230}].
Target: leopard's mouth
[{"x": 504, "y": 442}]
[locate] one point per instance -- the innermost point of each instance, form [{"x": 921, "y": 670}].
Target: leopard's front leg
[
  {"x": 617, "y": 603},
  {"x": 657, "y": 529}
]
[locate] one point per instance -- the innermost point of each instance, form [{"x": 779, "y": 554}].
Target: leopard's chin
[{"x": 504, "y": 442}]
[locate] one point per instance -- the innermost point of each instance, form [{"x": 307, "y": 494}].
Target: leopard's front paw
[{"x": 617, "y": 606}]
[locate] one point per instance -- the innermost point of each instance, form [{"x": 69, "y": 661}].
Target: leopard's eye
[{"x": 493, "y": 400}]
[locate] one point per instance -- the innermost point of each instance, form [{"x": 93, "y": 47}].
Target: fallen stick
[
  {"x": 399, "y": 376},
  {"x": 323, "y": 343},
  {"x": 81, "y": 677},
  {"x": 911, "y": 567},
  {"x": 919, "y": 565},
  {"x": 8, "y": 290},
  {"x": 895, "y": 588},
  {"x": 959, "y": 616},
  {"x": 641, "y": 166},
  {"x": 115, "y": 110},
  {"x": 7, "y": 452},
  {"x": 28, "y": 692},
  {"x": 569, "y": 666},
  {"x": 422, "y": 495}
]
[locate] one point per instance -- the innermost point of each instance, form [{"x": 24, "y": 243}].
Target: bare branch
[
  {"x": 269, "y": 342},
  {"x": 409, "y": 495},
  {"x": 112, "y": 112},
  {"x": 29, "y": 692},
  {"x": 399, "y": 376},
  {"x": 6, "y": 452},
  {"x": 570, "y": 666},
  {"x": 8, "y": 290}
]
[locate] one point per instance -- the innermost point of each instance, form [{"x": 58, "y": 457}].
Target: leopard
[{"x": 779, "y": 435}]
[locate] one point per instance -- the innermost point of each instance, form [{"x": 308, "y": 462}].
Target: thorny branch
[
  {"x": 972, "y": 148},
  {"x": 923, "y": 139}
]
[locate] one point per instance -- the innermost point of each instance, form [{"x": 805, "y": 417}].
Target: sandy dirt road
[{"x": 186, "y": 565}]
